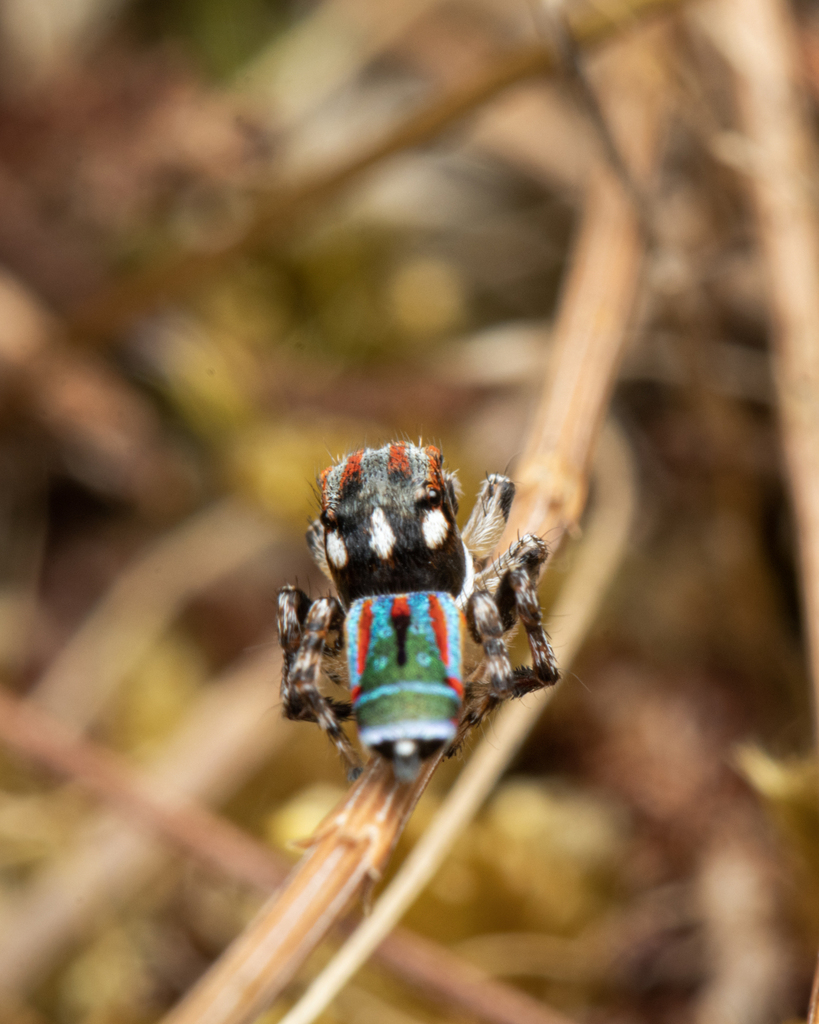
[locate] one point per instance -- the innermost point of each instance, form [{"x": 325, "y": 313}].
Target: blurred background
[{"x": 653, "y": 854}]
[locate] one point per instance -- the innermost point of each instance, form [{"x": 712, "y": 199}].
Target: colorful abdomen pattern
[{"x": 405, "y": 654}]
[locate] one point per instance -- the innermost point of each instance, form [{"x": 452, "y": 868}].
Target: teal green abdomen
[{"x": 405, "y": 656}]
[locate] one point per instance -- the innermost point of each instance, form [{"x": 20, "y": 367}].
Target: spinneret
[{"x": 411, "y": 587}]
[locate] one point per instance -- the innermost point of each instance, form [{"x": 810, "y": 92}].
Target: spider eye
[
  {"x": 428, "y": 496},
  {"x": 328, "y": 519}
]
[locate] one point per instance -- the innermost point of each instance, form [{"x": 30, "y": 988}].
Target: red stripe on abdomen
[
  {"x": 456, "y": 686},
  {"x": 438, "y": 619},
  {"x": 363, "y": 639}
]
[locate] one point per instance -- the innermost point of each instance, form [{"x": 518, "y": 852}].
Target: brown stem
[
  {"x": 351, "y": 847},
  {"x": 215, "y": 842},
  {"x": 759, "y": 39},
  {"x": 142, "y": 603},
  {"x": 226, "y": 736},
  {"x": 439, "y": 974},
  {"x": 348, "y": 853},
  {"x": 587, "y": 23},
  {"x": 206, "y": 836},
  {"x": 813, "y": 1009}
]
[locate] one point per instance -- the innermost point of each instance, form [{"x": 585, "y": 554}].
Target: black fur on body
[{"x": 375, "y": 505}]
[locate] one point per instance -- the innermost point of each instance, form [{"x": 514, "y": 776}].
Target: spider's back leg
[
  {"x": 301, "y": 698},
  {"x": 519, "y": 589},
  {"x": 294, "y": 605},
  {"x": 492, "y": 616},
  {"x": 486, "y": 627}
]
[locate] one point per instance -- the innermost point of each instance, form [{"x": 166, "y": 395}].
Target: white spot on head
[
  {"x": 405, "y": 748},
  {"x": 382, "y": 539},
  {"x": 435, "y": 528},
  {"x": 336, "y": 550}
]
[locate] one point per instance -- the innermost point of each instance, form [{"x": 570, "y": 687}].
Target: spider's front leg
[
  {"x": 301, "y": 698},
  {"x": 294, "y": 605},
  {"x": 489, "y": 515}
]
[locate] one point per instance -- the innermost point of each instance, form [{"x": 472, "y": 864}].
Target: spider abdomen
[{"x": 405, "y": 656}]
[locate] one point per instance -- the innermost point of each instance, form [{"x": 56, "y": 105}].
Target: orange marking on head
[
  {"x": 364, "y": 625},
  {"x": 352, "y": 469},
  {"x": 435, "y": 478},
  {"x": 438, "y": 620},
  {"x": 398, "y": 463},
  {"x": 323, "y": 481}
]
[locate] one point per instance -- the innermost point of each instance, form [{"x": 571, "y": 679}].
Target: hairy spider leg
[
  {"x": 528, "y": 552},
  {"x": 489, "y": 515},
  {"x": 301, "y": 698},
  {"x": 544, "y": 664},
  {"x": 294, "y": 605},
  {"x": 490, "y": 617}
]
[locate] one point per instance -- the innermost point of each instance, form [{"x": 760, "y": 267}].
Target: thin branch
[
  {"x": 352, "y": 846},
  {"x": 347, "y": 854},
  {"x": 551, "y": 21},
  {"x": 588, "y": 22},
  {"x": 110, "y": 433},
  {"x": 759, "y": 39},
  {"x": 142, "y": 603},
  {"x": 229, "y": 732},
  {"x": 441, "y": 975},
  {"x": 813, "y": 1009},
  {"x": 207, "y": 836},
  {"x": 598, "y": 560},
  {"x": 215, "y": 842}
]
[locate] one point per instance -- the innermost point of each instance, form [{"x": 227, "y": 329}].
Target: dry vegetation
[{"x": 238, "y": 238}]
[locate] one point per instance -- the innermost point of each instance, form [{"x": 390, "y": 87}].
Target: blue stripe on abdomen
[{"x": 391, "y": 689}]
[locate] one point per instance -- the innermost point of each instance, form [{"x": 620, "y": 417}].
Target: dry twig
[
  {"x": 588, "y": 22},
  {"x": 813, "y": 1009},
  {"x": 598, "y": 560},
  {"x": 206, "y": 836},
  {"x": 226, "y": 736},
  {"x": 758, "y": 38},
  {"x": 352, "y": 846},
  {"x": 142, "y": 603},
  {"x": 215, "y": 842}
]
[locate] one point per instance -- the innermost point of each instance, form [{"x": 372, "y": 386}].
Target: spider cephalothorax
[
  {"x": 412, "y": 588},
  {"x": 388, "y": 519}
]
